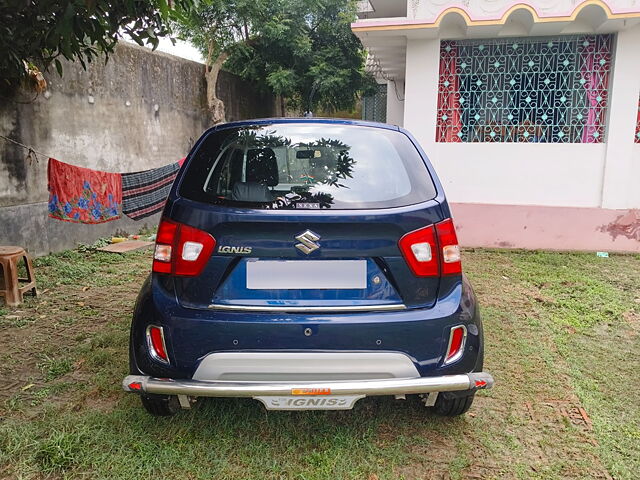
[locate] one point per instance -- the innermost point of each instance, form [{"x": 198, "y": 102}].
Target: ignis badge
[
  {"x": 237, "y": 250},
  {"x": 338, "y": 402}
]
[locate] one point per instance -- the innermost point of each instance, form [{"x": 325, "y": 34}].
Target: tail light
[
  {"x": 156, "y": 344},
  {"x": 449, "y": 247},
  {"x": 181, "y": 250},
  {"x": 432, "y": 250},
  {"x": 457, "y": 339}
]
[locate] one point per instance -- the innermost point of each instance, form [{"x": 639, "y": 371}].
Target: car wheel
[
  {"x": 449, "y": 406},
  {"x": 160, "y": 405}
]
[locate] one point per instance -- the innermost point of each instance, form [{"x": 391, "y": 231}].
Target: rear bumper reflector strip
[{"x": 391, "y": 386}]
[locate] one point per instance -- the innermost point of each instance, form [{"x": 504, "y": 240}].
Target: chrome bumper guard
[{"x": 392, "y": 386}]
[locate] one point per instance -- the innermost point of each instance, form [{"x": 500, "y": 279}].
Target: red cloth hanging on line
[{"x": 82, "y": 195}]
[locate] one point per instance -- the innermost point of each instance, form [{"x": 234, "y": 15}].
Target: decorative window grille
[
  {"x": 638, "y": 123},
  {"x": 551, "y": 89},
  {"x": 374, "y": 108}
]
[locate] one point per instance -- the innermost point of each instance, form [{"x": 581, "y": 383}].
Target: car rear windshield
[{"x": 307, "y": 166}]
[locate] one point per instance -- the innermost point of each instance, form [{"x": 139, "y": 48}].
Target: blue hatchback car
[{"x": 306, "y": 263}]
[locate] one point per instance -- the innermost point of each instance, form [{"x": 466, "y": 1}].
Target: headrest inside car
[
  {"x": 262, "y": 166},
  {"x": 250, "y": 192}
]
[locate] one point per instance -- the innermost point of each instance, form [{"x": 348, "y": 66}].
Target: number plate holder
[
  {"x": 311, "y": 402},
  {"x": 306, "y": 274}
]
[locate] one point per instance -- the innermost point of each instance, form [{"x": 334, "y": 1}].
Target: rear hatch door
[
  {"x": 317, "y": 261},
  {"x": 306, "y": 215}
]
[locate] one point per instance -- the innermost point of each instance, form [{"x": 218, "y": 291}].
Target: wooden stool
[{"x": 10, "y": 287}]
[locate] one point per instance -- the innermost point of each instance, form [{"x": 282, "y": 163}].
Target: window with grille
[
  {"x": 551, "y": 89},
  {"x": 374, "y": 108}
]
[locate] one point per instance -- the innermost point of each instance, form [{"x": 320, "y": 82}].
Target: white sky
[{"x": 180, "y": 49}]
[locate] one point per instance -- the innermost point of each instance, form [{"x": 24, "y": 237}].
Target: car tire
[
  {"x": 160, "y": 405},
  {"x": 449, "y": 406}
]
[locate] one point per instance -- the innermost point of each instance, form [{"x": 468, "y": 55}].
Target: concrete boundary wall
[{"x": 140, "y": 110}]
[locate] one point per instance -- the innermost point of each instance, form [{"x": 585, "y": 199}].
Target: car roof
[{"x": 301, "y": 120}]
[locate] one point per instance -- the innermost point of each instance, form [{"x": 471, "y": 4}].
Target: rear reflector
[
  {"x": 156, "y": 344},
  {"x": 457, "y": 339},
  {"x": 310, "y": 391},
  {"x": 181, "y": 250}
]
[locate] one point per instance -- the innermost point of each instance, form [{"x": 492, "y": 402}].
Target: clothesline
[
  {"x": 84, "y": 195},
  {"x": 30, "y": 150}
]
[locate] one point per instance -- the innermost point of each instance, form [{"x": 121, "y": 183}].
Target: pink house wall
[{"x": 554, "y": 228}]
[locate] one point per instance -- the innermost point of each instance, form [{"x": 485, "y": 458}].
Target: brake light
[
  {"x": 156, "y": 344},
  {"x": 181, "y": 250},
  {"x": 457, "y": 339},
  {"x": 432, "y": 250}
]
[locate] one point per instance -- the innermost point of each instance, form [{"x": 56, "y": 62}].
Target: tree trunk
[{"x": 216, "y": 106}]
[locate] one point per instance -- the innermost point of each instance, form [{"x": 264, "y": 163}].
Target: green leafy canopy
[
  {"x": 303, "y": 50},
  {"x": 40, "y": 31}
]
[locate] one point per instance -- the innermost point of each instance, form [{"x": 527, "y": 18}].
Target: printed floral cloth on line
[{"x": 82, "y": 195}]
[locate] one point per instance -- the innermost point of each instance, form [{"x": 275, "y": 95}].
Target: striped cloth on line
[{"x": 144, "y": 193}]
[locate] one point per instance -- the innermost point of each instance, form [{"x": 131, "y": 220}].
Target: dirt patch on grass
[
  {"x": 54, "y": 339},
  {"x": 633, "y": 320}
]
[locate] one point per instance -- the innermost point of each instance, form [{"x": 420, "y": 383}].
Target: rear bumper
[
  {"x": 422, "y": 334},
  {"x": 396, "y": 386}
]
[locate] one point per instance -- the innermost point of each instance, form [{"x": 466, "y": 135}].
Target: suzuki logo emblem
[{"x": 307, "y": 241}]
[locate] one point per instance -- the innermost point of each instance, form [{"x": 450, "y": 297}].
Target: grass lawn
[{"x": 562, "y": 340}]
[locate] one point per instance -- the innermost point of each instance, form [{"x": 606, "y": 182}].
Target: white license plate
[
  {"x": 321, "y": 402},
  {"x": 306, "y": 274}
]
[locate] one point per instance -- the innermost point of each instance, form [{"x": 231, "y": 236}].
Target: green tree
[
  {"x": 35, "y": 33},
  {"x": 303, "y": 50},
  {"x": 215, "y": 27}
]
